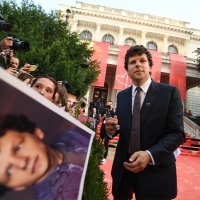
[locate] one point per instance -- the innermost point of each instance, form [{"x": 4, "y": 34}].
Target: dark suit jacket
[
  {"x": 95, "y": 117},
  {"x": 161, "y": 132}
]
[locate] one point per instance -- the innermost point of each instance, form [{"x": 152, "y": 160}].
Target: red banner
[
  {"x": 177, "y": 75},
  {"x": 157, "y": 64},
  {"x": 101, "y": 55},
  {"x": 122, "y": 80}
]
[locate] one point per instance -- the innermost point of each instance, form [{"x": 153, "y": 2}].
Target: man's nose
[
  {"x": 138, "y": 64},
  {"x": 19, "y": 162}
]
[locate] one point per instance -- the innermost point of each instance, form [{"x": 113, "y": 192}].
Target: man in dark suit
[{"x": 150, "y": 172}]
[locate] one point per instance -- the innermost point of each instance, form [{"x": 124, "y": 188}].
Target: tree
[
  {"x": 197, "y": 51},
  {"x": 56, "y": 49}
]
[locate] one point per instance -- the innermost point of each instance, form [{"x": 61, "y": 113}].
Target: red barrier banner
[
  {"x": 122, "y": 80},
  {"x": 101, "y": 55},
  {"x": 177, "y": 75},
  {"x": 157, "y": 64}
]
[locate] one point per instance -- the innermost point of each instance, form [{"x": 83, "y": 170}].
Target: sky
[{"x": 184, "y": 10}]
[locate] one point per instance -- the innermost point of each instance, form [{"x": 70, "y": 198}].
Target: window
[
  {"x": 172, "y": 49},
  {"x": 129, "y": 42},
  {"x": 108, "y": 39},
  {"x": 152, "y": 46},
  {"x": 86, "y": 35}
]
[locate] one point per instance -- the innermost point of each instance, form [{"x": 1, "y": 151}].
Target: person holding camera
[
  {"x": 107, "y": 113},
  {"x": 9, "y": 61},
  {"x": 4, "y": 45}
]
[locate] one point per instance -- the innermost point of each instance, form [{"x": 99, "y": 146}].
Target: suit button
[{"x": 152, "y": 139}]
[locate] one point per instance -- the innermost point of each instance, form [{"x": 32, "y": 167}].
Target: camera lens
[
  {"x": 5, "y": 27},
  {"x": 25, "y": 46}
]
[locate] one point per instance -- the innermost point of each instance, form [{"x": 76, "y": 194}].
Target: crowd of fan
[{"x": 53, "y": 90}]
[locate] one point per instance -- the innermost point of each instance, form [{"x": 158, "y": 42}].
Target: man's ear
[
  {"x": 19, "y": 188},
  {"x": 150, "y": 70},
  {"x": 39, "y": 133}
]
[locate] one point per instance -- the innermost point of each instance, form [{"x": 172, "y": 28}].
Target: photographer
[
  {"x": 6, "y": 43},
  {"x": 107, "y": 113},
  {"x": 4, "y": 46},
  {"x": 10, "y": 62}
]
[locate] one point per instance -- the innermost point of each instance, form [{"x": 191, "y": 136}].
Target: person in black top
[{"x": 107, "y": 113}]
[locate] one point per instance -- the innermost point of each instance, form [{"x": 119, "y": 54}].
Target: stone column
[
  {"x": 165, "y": 44},
  {"x": 120, "y": 39},
  {"x": 144, "y": 38},
  {"x": 74, "y": 26},
  {"x": 186, "y": 48},
  {"x": 97, "y": 35}
]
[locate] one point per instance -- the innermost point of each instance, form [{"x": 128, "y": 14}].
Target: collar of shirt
[{"x": 144, "y": 87}]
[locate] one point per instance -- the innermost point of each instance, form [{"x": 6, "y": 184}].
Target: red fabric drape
[
  {"x": 177, "y": 75},
  {"x": 122, "y": 79},
  {"x": 101, "y": 55},
  {"x": 157, "y": 64}
]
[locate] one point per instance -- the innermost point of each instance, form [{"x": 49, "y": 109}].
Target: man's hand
[
  {"x": 27, "y": 81},
  {"x": 6, "y": 43},
  {"x": 138, "y": 161},
  {"x": 26, "y": 67},
  {"x": 12, "y": 71},
  {"x": 111, "y": 125}
]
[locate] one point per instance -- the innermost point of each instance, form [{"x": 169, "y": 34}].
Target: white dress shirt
[{"x": 144, "y": 87}]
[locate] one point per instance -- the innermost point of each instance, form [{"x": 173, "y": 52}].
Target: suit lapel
[
  {"x": 128, "y": 105},
  {"x": 151, "y": 96}
]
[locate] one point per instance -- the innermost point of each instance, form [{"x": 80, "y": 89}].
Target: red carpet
[{"x": 188, "y": 175}]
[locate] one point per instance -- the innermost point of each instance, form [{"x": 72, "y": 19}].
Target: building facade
[{"x": 118, "y": 28}]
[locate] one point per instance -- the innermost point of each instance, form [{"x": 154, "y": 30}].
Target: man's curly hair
[
  {"x": 18, "y": 123},
  {"x": 137, "y": 50}
]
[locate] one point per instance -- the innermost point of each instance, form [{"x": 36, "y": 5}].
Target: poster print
[{"x": 44, "y": 151}]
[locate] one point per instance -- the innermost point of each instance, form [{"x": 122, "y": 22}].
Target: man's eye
[
  {"x": 9, "y": 172},
  {"x": 18, "y": 147}
]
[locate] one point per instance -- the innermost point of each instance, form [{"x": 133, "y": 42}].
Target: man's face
[
  {"x": 139, "y": 69},
  {"x": 23, "y": 158},
  {"x": 14, "y": 62}
]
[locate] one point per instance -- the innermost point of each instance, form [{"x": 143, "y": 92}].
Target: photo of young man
[{"x": 54, "y": 170}]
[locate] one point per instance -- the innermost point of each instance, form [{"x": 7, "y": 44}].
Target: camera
[
  {"x": 66, "y": 84},
  {"x": 4, "y": 25},
  {"x": 20, "y": 45},
  {"x": 108, "y": 107}
]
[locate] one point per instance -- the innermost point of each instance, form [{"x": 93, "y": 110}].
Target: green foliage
[
  {"x": 197, "y": 51},
  {"x": 95, "y": 187},
  {"x": 56, "y": 49}
]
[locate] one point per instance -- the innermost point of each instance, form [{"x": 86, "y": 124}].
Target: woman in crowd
[
  {"x": 46, "y": 86},
  {"x": 62, "y": 100}
]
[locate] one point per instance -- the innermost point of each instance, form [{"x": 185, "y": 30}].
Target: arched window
[
  {"x": 152, "y": 46},
  {"x": 108, "y": 39},
  {"x": 172, "y": 49},
  {"x": 129, "y": 42},
  {"x": 86, "y": 35}
]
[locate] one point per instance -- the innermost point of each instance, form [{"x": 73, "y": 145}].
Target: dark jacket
[{"x": 161, "y": 132}]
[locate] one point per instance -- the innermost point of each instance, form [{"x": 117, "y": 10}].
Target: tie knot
[{"x": 139, "y": 89}]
